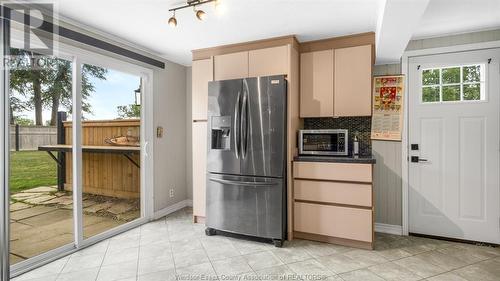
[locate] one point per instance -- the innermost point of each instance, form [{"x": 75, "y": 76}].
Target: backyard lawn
[{"x": 31, "y": 169}]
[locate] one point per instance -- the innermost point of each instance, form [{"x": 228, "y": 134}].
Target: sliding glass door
[{"x": 73, "y": 170}]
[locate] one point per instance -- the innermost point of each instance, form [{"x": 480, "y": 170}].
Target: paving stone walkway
[{"x": 42, "y": 219}]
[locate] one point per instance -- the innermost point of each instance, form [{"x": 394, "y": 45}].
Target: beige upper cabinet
[
  {"x": 231, "y": 66},
  {"x": 268, "y": 61},
  {"x": 353, "y": 79},
  {"x": 202, "y": 73},
  {"x": 316, "y": 84}
]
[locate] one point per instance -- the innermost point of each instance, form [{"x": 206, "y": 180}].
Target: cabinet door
[
  {"x": 353, "y": 80},
  {"x": 202, "y": 73},
  {"x": 316, "y": 84},
  {"x": 199, "y": 167},
  {"x": 268, "y": 61},
  {"x": 231, "y": 66}
]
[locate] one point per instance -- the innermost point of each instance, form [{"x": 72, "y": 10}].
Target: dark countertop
[{"x": 335, "y": 159}]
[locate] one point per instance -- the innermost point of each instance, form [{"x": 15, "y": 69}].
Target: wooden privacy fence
[
  {"x": 31, "y": 137},
  {"x": 108, "y": 174}
]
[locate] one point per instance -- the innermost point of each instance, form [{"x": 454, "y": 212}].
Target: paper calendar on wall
[{"x": 387, "y": 111}]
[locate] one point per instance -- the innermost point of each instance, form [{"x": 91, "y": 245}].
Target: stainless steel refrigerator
[{"x": 246, "y": 176}]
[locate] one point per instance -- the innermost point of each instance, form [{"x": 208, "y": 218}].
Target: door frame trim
[{"x": 405, "y": 59}]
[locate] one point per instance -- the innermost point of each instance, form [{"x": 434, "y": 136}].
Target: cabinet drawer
[
  {"x": 333, "y": 171},
  {"x": 358, "y": 194},
  {"x": 342, "y": 222}
]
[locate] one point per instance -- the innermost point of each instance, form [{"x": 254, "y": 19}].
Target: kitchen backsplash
[{"x": 355, "y": 125}]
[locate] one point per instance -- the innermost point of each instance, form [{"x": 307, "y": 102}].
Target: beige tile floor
[{"x": 174, "y": 247}]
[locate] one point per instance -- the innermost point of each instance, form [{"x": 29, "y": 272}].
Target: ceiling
[
  {"x": 144, "y": 22},
  {"x": 444, "y": 17}
]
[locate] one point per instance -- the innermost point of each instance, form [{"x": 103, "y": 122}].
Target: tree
[
  {"x": 46, "y": 82},
  {"x": 27, "y": 81},
  {"x": 129, "y": 111}
]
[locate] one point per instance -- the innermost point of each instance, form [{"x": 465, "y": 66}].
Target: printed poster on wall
[{"x": 387, "y": 118}]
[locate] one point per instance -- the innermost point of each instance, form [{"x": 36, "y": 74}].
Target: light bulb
[
  {"x": 172, "y": 21},
  {"x": 220, "y": 7},
  {"x": 201, "y": 15}
]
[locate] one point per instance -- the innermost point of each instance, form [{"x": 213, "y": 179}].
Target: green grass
[{"x": 30, "y": 169}]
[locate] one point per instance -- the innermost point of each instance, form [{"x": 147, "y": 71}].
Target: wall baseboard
[
  {"x": 389, "y": 228},
  {"x": 172, "y": 208}
]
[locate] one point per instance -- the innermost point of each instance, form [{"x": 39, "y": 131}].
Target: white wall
[{"x": 170, "y": 150}]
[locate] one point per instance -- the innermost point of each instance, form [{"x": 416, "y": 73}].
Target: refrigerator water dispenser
[{"x": 221, "y": 132}]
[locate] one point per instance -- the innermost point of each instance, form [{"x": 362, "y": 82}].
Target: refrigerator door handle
[
  {"x": 236, "y": 125},
  {"x": 246, "y": 183},
  {"x": 244, "y": 125}
]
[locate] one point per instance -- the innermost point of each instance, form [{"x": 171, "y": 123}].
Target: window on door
[{"x": 453, "y": 84}]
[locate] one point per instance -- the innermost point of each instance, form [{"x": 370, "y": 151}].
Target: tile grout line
[
  {"x": 170, "y": 243},
  {"x": 102, "y": 262},
  {"x": 62, "y": 268},
  {"x": 138, "y": 254},
  {"x": 209, "y": 259}
]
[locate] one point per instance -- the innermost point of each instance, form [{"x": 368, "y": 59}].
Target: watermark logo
[{"x": 31, "y": 34}]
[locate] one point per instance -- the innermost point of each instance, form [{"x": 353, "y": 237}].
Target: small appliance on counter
[{"x": 330, "y": 142}]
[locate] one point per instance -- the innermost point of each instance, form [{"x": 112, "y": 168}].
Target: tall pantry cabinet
[{"x": 202, "y": 73}]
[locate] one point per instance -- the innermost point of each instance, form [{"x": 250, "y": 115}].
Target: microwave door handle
[{"x": 236, "y": 129}]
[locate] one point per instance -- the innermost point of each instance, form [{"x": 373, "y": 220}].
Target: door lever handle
[{"x": 416, "y": 159}]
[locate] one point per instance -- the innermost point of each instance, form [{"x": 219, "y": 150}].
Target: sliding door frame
[
  {"x": 4, "y": 153},
  {"x": 80, "y": 56}
]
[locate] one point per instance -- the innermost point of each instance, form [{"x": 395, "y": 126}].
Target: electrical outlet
[{"x": 171, "y": 192}]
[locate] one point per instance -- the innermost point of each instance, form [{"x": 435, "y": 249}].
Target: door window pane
[
  {"x": 430, "y": 94},
  {"x": 472, "y": 92},
  {"x": 451, "y": 93},
  {"x": 430, "y": 77},
  {"x": 41, "y": 202},
  {"x": 472, "y": 73},
  {"x": 111, "y": 123},
  {"x": 451, "y": 75}
]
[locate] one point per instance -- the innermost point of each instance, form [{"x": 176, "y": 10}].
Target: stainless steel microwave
[{"x": 324, "y": 142}]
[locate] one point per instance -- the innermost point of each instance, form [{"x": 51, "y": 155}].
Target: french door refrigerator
[{"x": 246, "y": 176}]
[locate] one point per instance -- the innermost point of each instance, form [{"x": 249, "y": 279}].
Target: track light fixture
[{"x": 200, "y": 14}]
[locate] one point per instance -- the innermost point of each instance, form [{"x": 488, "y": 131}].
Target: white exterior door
[{"x": 454, "y": 121}]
